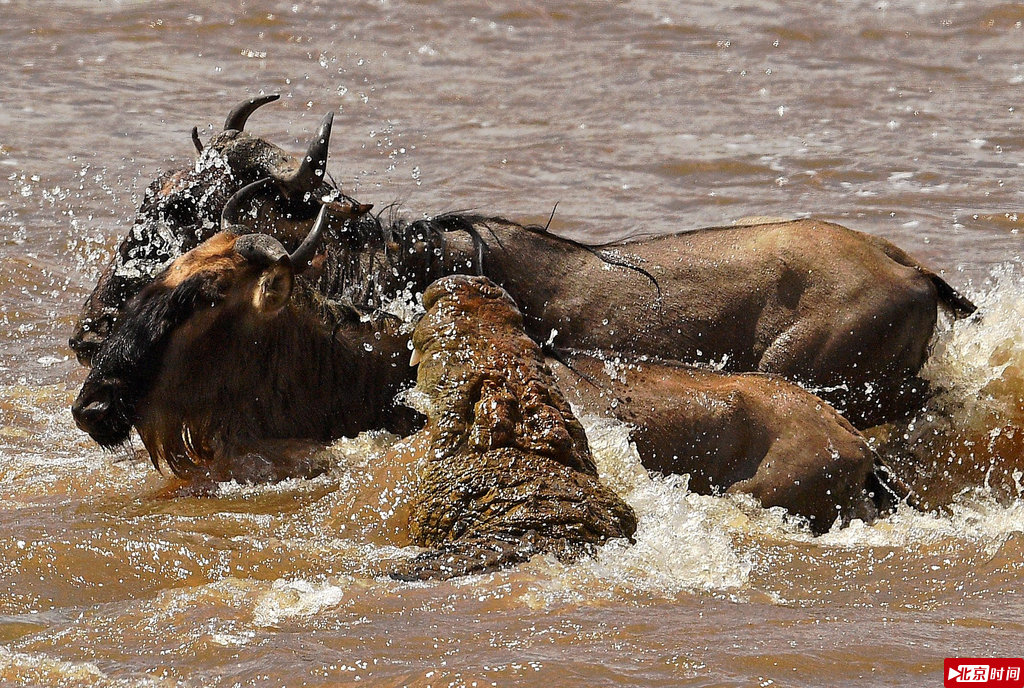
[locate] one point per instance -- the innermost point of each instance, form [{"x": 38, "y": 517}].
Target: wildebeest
[
  {"x": 227, "y": 359},
  {"x": 503, "y": 468},
  {"x": 848, "y": 314}
]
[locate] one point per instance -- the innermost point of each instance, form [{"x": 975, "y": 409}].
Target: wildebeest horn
[
  {"x": 237, "y": 117},
  {"x": 310, "y": 173},
  {"x": 303, "y": 255},
  {"x": 229, "y": 216},
  {"x": 262, "y": 249},
  {"x": 195, "y": 140}
]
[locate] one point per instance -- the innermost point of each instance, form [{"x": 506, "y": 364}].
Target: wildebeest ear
[{"x": 274, "y": 286}]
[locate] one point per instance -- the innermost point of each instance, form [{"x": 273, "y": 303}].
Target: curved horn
[
  {"x": 310, "y": 174},
  {"x": 240, "y": 113},
  {"x": 303, "y": 255},
  {"x": 195, "y": 140},
  {"x": 230, "y": 214},
  {"x": 261, "y": 249}
]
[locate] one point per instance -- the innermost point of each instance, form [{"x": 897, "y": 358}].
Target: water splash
[
  {"x": 970, "y": 436},
  {"x": 19, "y": 668},
  {"x": 296, "y": 598}
]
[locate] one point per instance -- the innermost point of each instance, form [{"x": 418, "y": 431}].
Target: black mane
[{"x": 371, "y": 261}]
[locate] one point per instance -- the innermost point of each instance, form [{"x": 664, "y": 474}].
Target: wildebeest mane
[
  {"x": 374, "y": 259},
  {"x": 597, "y": 250}
]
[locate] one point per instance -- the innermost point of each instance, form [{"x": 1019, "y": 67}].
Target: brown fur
[
  {"x": 755, "y": 434},
  {"x": 216, "y": 255},
  {"x": 228, "y": 383},
  {"x": 844, "y": 313}
]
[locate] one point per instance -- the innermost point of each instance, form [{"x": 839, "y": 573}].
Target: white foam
[
  {"x": 679, "y": 545},
  {"x": 618, "y": 462},
  {"x": 407, "y": 306},
  {"x": 21, "y": 668},
  {"x": 969, "y": 358},
  {"x": 295, "y": 598}
]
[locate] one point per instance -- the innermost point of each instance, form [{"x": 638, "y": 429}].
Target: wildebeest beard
[{"x": 217, "y": 391}]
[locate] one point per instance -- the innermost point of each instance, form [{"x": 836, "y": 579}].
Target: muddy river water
[{"x": 903, "y": 119}]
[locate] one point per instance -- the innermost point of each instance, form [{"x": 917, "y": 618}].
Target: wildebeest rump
[{"x": 845, "y": 313}]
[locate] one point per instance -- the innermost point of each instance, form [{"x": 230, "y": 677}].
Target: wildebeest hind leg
[{"x": 867, "y": 376}]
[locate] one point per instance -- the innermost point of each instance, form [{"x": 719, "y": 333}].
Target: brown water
[{"x": 901, "y": 119}]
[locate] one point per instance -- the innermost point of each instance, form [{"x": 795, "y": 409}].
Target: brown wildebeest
[
  {"x": 227, "y": 355},
  {"x": 503, "y": 468},
  {"x": 848, "y": 314}
]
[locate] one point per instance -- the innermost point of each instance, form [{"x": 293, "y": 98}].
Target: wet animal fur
[
  {"x": 218, "y": 387},
  {"x": 213, "y": 384}
]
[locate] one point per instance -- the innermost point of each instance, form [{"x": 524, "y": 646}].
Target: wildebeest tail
[
  {"x": 957, "y": 303},
  {"x": 960, "y": 305}
]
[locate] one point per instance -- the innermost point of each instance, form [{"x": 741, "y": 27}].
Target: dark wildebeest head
[
  {"x": 215, "y": 357},
  {"x": 182, "y": 208}
]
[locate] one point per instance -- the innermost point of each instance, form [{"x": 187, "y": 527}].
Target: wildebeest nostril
[{"x": 88, "y": 416}]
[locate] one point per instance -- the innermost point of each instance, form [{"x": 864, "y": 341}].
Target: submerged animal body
[
  {"x": 735, "y": 433},
  {"x": 504, "y": 468},
  {"x": 847, "y": 314}
]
